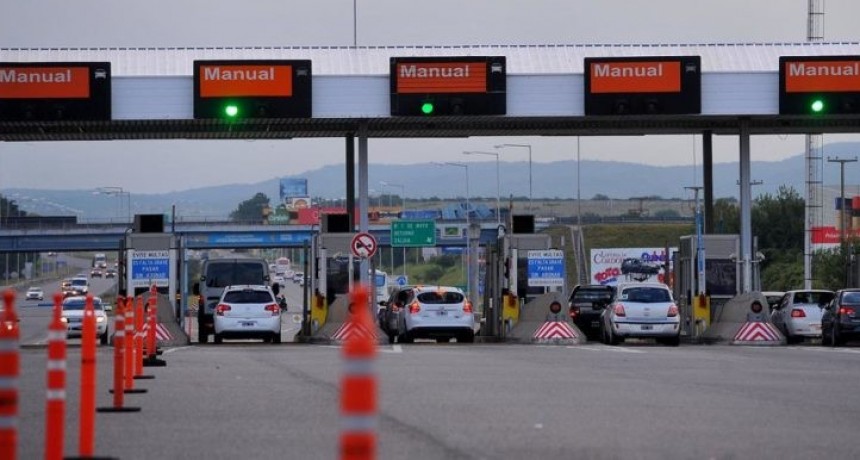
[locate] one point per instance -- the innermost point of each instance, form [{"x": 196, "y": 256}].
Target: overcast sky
[{"x": 162, "y": 166}]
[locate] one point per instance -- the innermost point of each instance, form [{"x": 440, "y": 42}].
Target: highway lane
[{"x": 450, "y": 401}]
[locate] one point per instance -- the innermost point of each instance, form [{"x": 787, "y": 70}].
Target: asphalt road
[{"x": 479, "y": 401}]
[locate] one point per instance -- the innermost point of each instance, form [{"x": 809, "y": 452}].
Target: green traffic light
[
  {"x": 817, "y": 106},
  {"x": 231, "y": 110},
  {"x": 427, "y": 108}
]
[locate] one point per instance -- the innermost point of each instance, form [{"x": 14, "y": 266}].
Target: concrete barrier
[
  {"x": 736, "y": 323},
  {"x": 336, "y": 328},
  {"x": 534, "y": 314},
  {"x": 167, "y": 318}
]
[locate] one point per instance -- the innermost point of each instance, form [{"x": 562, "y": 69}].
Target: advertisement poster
[
  {"x": 616, "y": 265},
  {"x": 293, "y": 188}
]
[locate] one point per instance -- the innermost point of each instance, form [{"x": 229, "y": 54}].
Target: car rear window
[
  {"x": 436, "y": 297},
  {"x": 592, "y": 295},
  {"x": 248, "y": 296},
  {"x": 646, "y": 295},
  {"x": 818, "y": 298},
  {"x": 79, "y": 282},
  {"x": 851, "y": 298}
]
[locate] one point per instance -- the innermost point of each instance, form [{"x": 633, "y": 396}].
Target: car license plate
[
  {"x": 647, "y": 327},
  {"x": 247, "y": 323},
  {"x": 815, "y": 327}
]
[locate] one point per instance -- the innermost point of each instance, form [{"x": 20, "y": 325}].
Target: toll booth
[{"x": 722, "y": 279}]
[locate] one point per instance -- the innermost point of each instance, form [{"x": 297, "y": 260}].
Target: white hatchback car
[
  {"x": 641, "y": 310},
  {"x": 248, "y": 311},
  {"x": 73, "y": 316},
  {"x": 798, "y": 313},
  {"x": 429, "y": 312},
  {"x": 35, "y": 293}
]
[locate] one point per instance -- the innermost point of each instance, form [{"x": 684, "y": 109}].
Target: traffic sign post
[
  {"x": 363, "y": 245},
  {"x": 413, "y": 233}
]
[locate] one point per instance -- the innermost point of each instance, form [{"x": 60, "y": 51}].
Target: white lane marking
[
  {"x": 605, "y": 348},
  {"x": 171, "y": 350},
  {"x": 827, "y": 349}
]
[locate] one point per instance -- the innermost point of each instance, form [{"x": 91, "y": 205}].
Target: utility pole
[{"x": 843, "y": 242}]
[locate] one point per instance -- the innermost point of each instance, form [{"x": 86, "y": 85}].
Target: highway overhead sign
[
  {"x": 363, "y": 245},
  {"x": 413, "y": 233},
  {"x": 55, "y": 91}
]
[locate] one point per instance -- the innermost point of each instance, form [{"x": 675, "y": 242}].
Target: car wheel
[
  {"x": 614, "y": 339},
  {"x": 217, "y": 339},
  {"x": 276, "y": 337},
  {"x": 202, "y": 336},
  {"x": 836, "y": 340},
  {"x": 405, "y": 338},
  {"x": 672, "y": 341},
  {"x": 103, "y": 339},
  {"x": 467, "y": 337},
  {"x": 826, "y": 339}
]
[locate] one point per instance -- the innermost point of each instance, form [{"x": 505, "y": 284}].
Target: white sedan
[
  {"x": 248, "y": 311},
  {"x": 73, "y": 316},
  {"x": 641, "y": 310},
  {"x": 798, "y": 313}
]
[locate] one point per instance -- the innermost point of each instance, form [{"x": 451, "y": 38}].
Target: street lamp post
[
  {"x": 402, "y": 209},
  {"x": 842, "y": 162},
  {"x": 119, "y": 192},
  {"x": 498, "y": 186},
  {"x": 528, "y": 146},
  {"x": 468, "y": 224}
]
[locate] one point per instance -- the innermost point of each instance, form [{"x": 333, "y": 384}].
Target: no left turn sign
[{"x": 363, "y": 245}]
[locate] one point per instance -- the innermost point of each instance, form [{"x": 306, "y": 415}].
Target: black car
[
  {"x": 633, "y": 266},
  {"x": 840, "y": 320},
  {"x": 585, "y": 305}
]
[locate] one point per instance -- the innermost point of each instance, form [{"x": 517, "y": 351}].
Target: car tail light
[
  {"x": 467, "y": 306},
  {"x": 673, "y": 311},
  {"x": 574, "y": 312},
  {"x": 619, "y": 310},
  {"x": 798, "y": 313},
  {"x": 414, "y": 308},
  {"x": 274, "y": 309},
  {"x": 848, "y": 311},
  {"x": 221, "y": 308}
]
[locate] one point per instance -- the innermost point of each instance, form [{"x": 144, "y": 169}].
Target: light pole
[
  {"x": 402, "y": 209},
  {"x": 468, "y": 224},
  {"x": 842, "y": 162},
  {"x": 119, "y": 192},
  {"x": 498, "y": 186},
  {"x": 528, "y": 146}
]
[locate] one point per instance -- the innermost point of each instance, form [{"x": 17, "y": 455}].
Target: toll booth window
[
  {"x": 646, "y": 295},
  {"x": 248, "y": 296},
  {"x": 223, "y": 275},
  {"x": 440, "y": 297}
]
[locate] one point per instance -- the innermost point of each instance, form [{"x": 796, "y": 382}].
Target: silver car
[
  {"x": 798, "y": 313},
  {"x": 641, "y": 310},
  {"x": 73, "y": 316},
  {"x": 429, "y": 312}
]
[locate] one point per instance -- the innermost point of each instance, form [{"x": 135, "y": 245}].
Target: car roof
[
  {"x": 425, "y": 288},
  {"x": 620, "y": 286},
  {"x": 243, "y": 287},
  {"x": 80, "y": 298}
]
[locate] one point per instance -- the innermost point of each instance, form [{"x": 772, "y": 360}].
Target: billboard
[
  {"x": 659, "y": 85},
  {"x": 464, "y": 85},
  {"x": 55, "y": 91},
  {"x": 293, "y": 188},
  {"x": 616, "y": 265}
]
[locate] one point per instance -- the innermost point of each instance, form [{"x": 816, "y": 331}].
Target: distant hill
[{"x": 549, "y": 180}]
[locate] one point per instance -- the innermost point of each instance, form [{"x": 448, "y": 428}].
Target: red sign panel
[
  {"x": 441, "y": 77},
  {"x": 822, "y": 76},
  {"x": 636, "y": 77},
  {"x": 45, "y": 82},
  {"x": 222, "y": 80}
]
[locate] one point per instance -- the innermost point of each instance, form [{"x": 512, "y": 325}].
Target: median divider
[
  {"x": 55, "y": 397},
  {"x": 358, "y": 387},
  {"x": 10, "y": 368}
]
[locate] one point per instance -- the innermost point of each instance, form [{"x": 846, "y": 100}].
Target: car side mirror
[{"x": 195, "y": 289}]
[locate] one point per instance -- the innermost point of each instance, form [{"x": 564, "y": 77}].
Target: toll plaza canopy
[{"x": 152, "y": 93}]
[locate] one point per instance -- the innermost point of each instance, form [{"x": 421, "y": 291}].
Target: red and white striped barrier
[
  {"x": 555, "y": 330},
  {"x": 351, "y": 328},
  {"x": 757, "y": 333}
]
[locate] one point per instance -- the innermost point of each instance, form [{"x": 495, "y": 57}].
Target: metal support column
[
  {"x": 708, "y": 179},
  {"x": 363, "y": 202},
  {"x": 746, "y": 207},
  {"x": 350, "y": 177}
]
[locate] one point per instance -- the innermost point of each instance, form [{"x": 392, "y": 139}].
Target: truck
[
  {"x": 99, "y": 261},
  {"x": 218, "y": 274}
]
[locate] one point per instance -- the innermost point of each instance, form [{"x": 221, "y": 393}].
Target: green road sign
[{"x": 413, "y": 233}]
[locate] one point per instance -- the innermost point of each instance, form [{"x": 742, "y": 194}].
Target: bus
[
  {"x": 282, "y": 265},
  {"x": 380, "y": 285}
]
